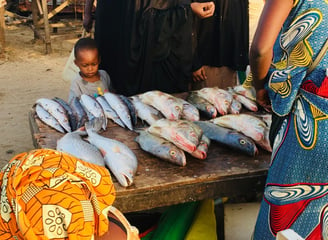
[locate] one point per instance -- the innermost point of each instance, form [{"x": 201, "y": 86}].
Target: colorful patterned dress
[
  {"x": 295, "y": 194},
  {"x": 46, "y": 194}
]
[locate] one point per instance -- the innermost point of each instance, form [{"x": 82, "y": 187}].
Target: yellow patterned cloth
[{"x": 46, "y": 194}]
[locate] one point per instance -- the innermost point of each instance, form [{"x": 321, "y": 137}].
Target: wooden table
[{"x": 225, "y": 172}]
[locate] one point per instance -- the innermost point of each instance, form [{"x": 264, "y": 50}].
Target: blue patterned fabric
[{"x": 296, "y": 192}]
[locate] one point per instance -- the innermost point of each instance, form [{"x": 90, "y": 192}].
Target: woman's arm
[{"x": 272, "y": 18}]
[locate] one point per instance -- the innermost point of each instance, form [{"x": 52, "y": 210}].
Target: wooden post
[
  {"x": 46, "y": 27},
  {"x": 2, "y": 28},
  {"x": 35, "y": 18}
]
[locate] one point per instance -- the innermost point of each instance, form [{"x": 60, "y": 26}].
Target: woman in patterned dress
[
  {"x": 289, "y": 37},
  {"x": 46, "y": 194}
]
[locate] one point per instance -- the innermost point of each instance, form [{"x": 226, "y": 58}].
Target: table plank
[{"x": 157, "y": 183}]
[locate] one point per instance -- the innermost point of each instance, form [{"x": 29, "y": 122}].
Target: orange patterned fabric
[{"x": 46, "y": 194}]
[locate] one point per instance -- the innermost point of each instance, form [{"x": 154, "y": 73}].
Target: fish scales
[
  {"x": 73, "y": 144},
  {"x": 204, "y": 106},
  {"x": 228, "y": 137},
  {"x": 109, "y": 111},
  {"x": 161, "y": 148},
  {"x": 247, "y": 124},
  {"x": 56, "y": 110},
  {"x": 163, "y": 102},
  {"x": 184, "y": 134},
  {"x": 72, "y": 118},
  {"x": 48, "y": 119},
  {"x": 78, "y": 111},
  {"x": 93, "y": 109},
  {"x": 119, "y": 158},
  {"x": 146, "y": 112},
  {"x": 120, "y": 108}
]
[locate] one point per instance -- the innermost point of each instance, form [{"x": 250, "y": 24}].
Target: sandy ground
[{"x": 26, "y": 75}]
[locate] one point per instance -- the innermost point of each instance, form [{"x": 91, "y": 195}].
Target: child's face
[{"x": 88, "y": 62}]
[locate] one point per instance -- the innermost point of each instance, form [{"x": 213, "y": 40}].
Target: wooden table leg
[
  {"x": 46, "y": 27},
  {"x": 2, "y": 29}
]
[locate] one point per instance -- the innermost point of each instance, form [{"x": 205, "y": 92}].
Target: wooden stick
[
  {"x": 2, "y": 28},
  {"x": 56, "y": 10},
  {"x": 46, "y": 27}
]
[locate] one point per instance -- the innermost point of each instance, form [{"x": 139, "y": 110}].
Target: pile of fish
[
  {"x": 101, "y": 150},
  {"x": 170, "y": 139},
  {"x": 67, "y": 117}
]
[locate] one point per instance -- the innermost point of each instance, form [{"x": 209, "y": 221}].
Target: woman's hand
[
  {"x": 199, "y": 75},
  {"x": 263, "y": 100},
  {"x": 203, "y": 10}
]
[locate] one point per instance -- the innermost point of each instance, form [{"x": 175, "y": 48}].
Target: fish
[
  {"x": 189, "y": 111},
  {"x": 247, "y": 124},
  {"x": 228, "y": 137},
  {"x": 93, "y": 109},
  {"x": 120, "y": 108},
  {"x": 182, "y": 133},
  {"x": 56, "y": 110},
  {"x": 146, "y": 112},
  {"x": 202, "y": 148},
  {"x": 73, "y": 144},
  {"x": 119, "y": 158},
  {"x": 71, "y": 117},
  {"x": 48, "y": 119},
  {"x": 161, "y": 148},
  {"x": 221, "y": 99},
  {"x": 109, "y": 111},
  {"x": 265, "y": 142},
  {"x": 132, "y": 109},
  {"x": 246, "y": 91},
  {"x": 204, "y": 106},
  {"x": 235, "y": 107},
  {"x": 246, "y": 102},
  {"x": 79, "y": 112},
  {"x": 163, "y": 102}
]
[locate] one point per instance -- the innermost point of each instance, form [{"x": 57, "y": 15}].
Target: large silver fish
[
  {"x": 189, "y": 111},
  {"x": 146, "y": 112},
  {"x": 184, "y": 134},
  {"x": 161, "y": 148},
  {"x": 48, "y": 119},
  {"x": 56, "y": 110},
  {"x": 202, "y": 148},
  {"x": 221, "y": 99},
  {"x": 71, "y": 117},
  {"x": 132, "y": 109},
  {"x": 246, "y": 102},
  {"x": 73, "y": 144},
  {"x": 247, "y": 124},
  {"x": 119, "y": 158},
  {"x": 78, "y": 111},
  {"x": 109, "y": 111},
  {"x": 163, "y": 102},
  {"x": 93, "y": 109},
  {"x": 120, "y": 108},
  {"x": 204, "y": 106},
  {"x": 228, "y": 137},
  {"x": 245, "y": 90}
]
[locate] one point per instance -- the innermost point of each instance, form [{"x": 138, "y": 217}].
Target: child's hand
[{"x": 203, "y": 10}]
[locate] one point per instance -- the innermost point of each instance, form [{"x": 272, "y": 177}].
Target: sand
[{"x": 26, "y": 75}]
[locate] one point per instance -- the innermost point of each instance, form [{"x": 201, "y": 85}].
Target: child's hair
[{"x": 84, "y": 43}]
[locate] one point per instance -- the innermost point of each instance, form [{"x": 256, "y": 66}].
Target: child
[{"x": 90, "y": 80}]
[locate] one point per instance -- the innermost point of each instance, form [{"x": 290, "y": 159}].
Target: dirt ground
[{"x": 27, "y": 74}]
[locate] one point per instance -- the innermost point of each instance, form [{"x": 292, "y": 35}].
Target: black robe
[
  {"x": 145, "y": 44},
  {"x": 223, "y": 39}
]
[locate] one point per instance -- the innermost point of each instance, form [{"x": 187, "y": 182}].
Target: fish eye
[
  {"x": 177, "y": 108},
  {"x": 172, "y": 153},
  {"x": 242, "y": 141}
]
